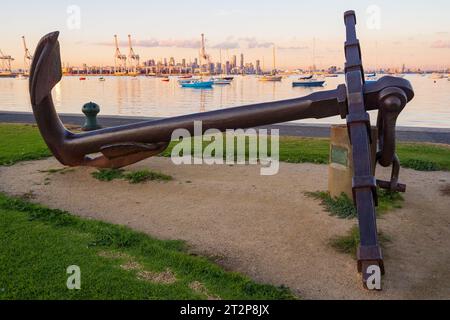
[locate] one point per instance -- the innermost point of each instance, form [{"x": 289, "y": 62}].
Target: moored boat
[
  {"x": 436, "y": 76},
  {"x": 371, "y": 77},
  {"x": 200, "y": 84},
  {"x": 21, "y": 77},
  {"x": 308, "y": 81},
  {"x": 7, "y": 74},
  {"x": 221, "y": 81},
  {"x": 270, "y": 77}
]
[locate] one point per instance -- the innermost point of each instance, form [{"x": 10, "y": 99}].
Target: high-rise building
[
  {"x": 172, "y": 61},
  {"x": 258, "y": 67},
  {"x": 233, "y": 61},
  {"x": 183, "y": 62},
  {"x": 218, "y": 67},
  {"x": 242, "y": 61}
]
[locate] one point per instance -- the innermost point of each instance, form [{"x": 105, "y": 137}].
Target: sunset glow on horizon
[{"x": 414, "y": 33}]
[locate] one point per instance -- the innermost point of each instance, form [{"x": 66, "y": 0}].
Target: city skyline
[{"x": 251, "y": 28}]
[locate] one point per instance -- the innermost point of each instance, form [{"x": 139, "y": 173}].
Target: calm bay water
[{"x": 145, "y": 96}]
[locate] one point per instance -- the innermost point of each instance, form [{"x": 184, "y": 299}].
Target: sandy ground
[{"x": 262, "y": 226}]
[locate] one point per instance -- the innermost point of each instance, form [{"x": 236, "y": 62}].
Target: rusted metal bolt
[{"x": 90, "y": 110}]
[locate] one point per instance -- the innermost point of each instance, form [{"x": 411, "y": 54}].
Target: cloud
[
  {"x": 229, "y": 43},
  {"x": 252, "y": 43},
  {"x": 441, "y": 44},
  {"x": 293, "y": 48},
  {"x": 226, "y": 45},
  {"x": 152, "y": 43}
]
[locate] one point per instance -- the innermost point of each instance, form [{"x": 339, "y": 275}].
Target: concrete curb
[{"x": 407, "y": 134}]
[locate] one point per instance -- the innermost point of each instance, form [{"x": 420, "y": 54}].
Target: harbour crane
[
  {"x": 133, "y": 59},
  {"x": 203, "y": 55},
  {"x": 120, "y": 60},
  {"x": 27, "y": 58},
  {"x": 6, "y": 64}
]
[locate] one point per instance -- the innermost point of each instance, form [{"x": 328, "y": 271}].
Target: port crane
[
  {"x": 27, "y": 58},
  {"x": 203, "y": 55},
  {"x": 6, "y": 63},
  {"x": 133, "y": 59},
  {"x": 120, "y": 60}
]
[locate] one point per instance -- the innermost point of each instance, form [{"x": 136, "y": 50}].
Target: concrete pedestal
[{"x": 340, "y": 168}]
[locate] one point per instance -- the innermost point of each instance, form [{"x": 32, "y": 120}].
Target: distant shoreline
[{"x": 407, "y": 134}]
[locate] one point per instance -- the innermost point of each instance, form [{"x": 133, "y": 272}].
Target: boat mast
[
  {"x": 274, "y": 66},
  {"x": 313, "y": 56},
  {"x": 220, "y": 61}
]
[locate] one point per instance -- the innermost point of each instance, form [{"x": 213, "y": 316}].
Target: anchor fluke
[{"x": 46, "y": 69}]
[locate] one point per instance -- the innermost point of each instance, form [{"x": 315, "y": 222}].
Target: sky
[{"x": 392, "y": 33}]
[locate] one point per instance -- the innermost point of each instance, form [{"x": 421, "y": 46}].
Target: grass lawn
[
  {"x": 23, "y": 142},
  {"x": 37, "y": 245}
]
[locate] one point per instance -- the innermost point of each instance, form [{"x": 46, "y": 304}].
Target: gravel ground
[{"x": 262, "y": 226}]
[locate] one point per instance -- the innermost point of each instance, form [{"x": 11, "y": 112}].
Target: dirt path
[{"x": 262, "y": 226}]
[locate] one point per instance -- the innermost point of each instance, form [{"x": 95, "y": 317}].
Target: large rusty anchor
[{"x": 120, "y": 146}]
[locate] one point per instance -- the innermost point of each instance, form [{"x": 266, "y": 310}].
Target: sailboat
[
  {"x": 273, "y": 76},
  {"x": 310, "y": 80},
  {"x": 221, "y": 80},
  {"x": 371, "y": 77}
]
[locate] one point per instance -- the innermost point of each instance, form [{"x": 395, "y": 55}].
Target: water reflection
[{"x": 146, "y": 96}]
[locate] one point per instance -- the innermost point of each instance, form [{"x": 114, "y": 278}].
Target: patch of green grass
[
  {"x": 23, "y": 142},
  {"x": 343, "y": 206},
  {"x": 146, "y": 175},
  {"x": 108, "y": 174},
  {"x": 58, "y": 170},
  {"x": 388, "y": 200},
  {"x": 37, "y": 244},
  {"x": 349, "y": 242},
  {"x": 131, "y": 176},
  {"x": 420, "y": 165},
  {"x": 20, "y": 142},
  {"x": 424, "y": 157},
  {"x": 291, "y": 149}
]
